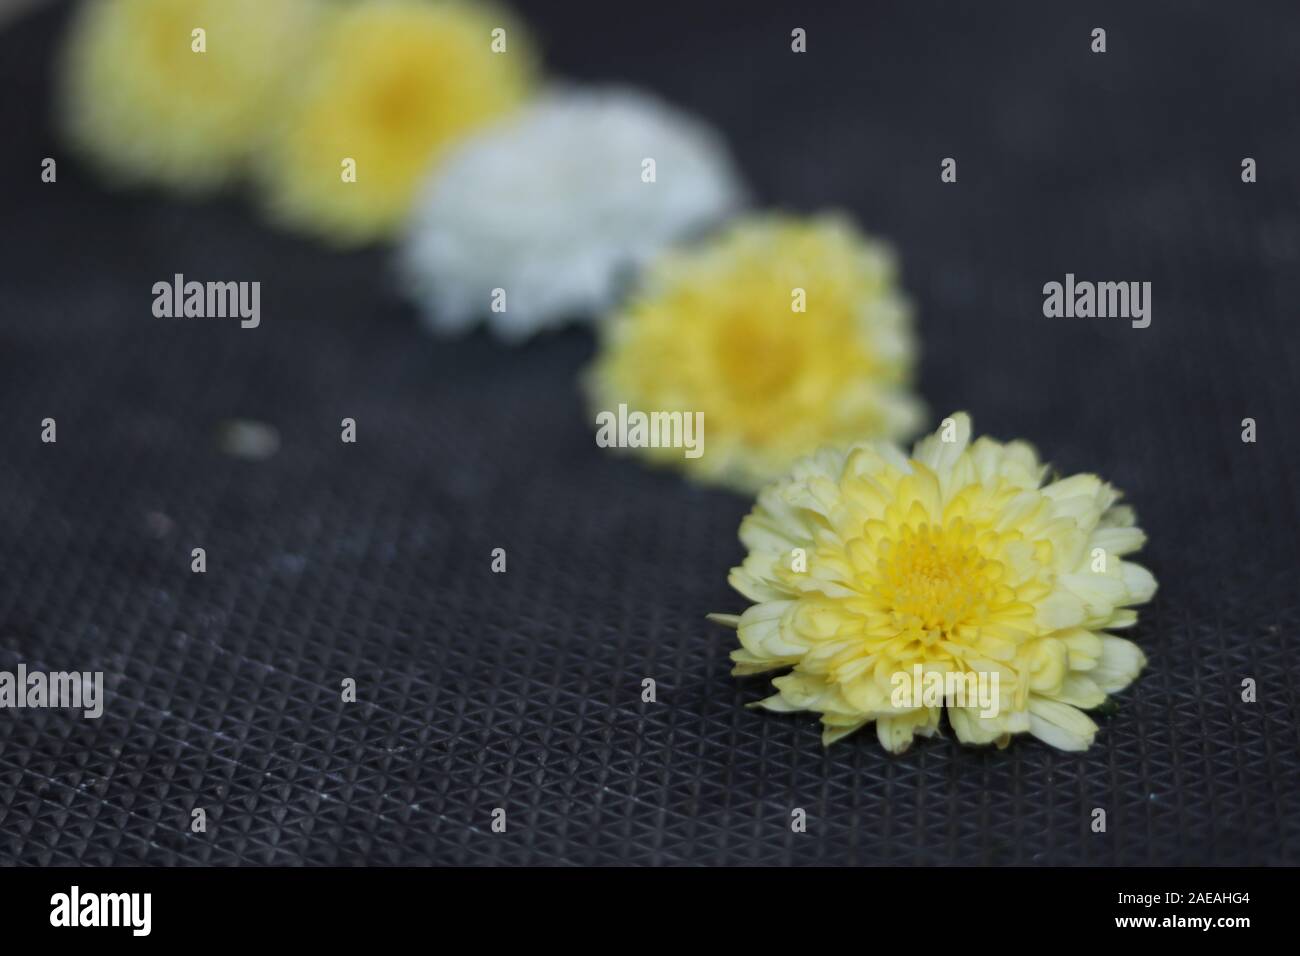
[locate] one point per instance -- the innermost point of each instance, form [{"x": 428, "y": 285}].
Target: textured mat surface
[{"x": 522, "y": 690}]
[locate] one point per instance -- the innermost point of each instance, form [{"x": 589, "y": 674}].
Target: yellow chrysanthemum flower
[
  {"x": 879, "y": 578},
  {"x": 139, "y": 98},
  {"x": 392, "y": 84},
  {"x": 785, "y": 333}
]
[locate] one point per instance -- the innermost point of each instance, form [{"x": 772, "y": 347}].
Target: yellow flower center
[
  {"x": 757, "y": 361},
  {"x": 394, "y": 103},
  {"x": 934, "y": 580}
]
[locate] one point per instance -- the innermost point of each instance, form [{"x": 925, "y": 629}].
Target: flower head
[
  {"x": 152, "y": 101},
  {"x": 392, "y": 85},
  {"x": 552, "y": 205},
  {"x": 787, "y": 334},
  {"x": 871, "y": 571}
]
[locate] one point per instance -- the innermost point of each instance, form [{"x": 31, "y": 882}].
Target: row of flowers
[{"x": 525, "y": 203}]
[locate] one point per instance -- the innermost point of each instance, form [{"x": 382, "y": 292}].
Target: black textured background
[{"x": 522, "y": 690}]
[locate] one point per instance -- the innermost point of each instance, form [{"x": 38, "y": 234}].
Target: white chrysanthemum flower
[
  {"x": 553, "y": 205},
  {"x": 873, "y": 573}
]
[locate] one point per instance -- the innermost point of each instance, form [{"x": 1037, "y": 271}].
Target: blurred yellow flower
[
  {"x": 785, "y": 333},
  {"x": 152, "y": 100},
  {"x": 392, "y": 84},
  {"x": 896, "y": 587}
]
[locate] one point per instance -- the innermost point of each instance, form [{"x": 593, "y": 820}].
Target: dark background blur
[{"x": 522, "y": 690}]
